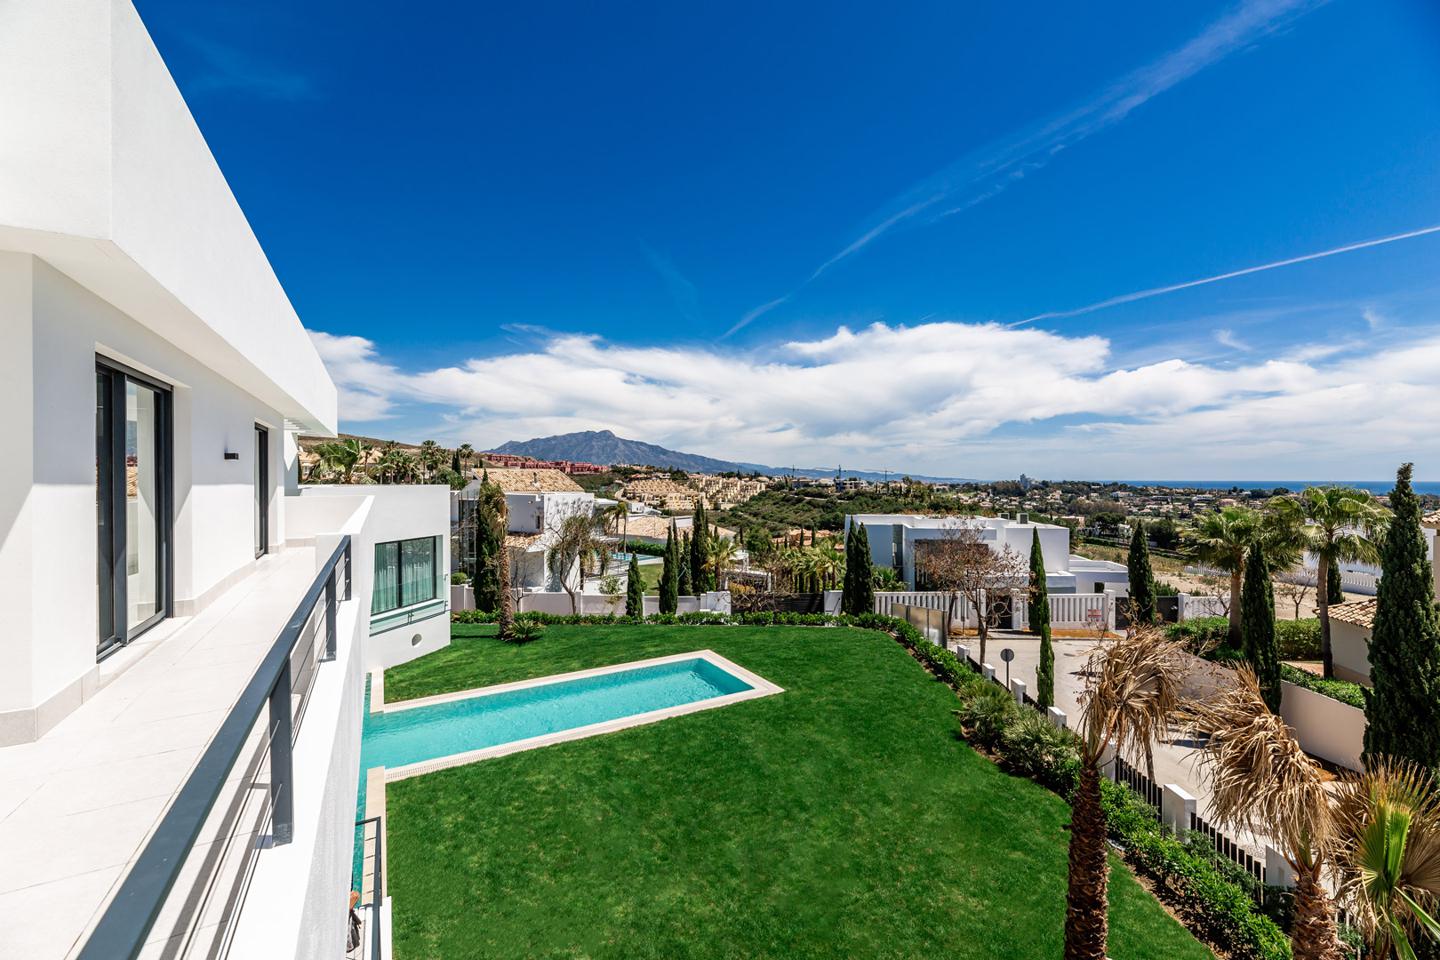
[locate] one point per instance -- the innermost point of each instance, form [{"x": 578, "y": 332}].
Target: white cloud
[
  {"x": 942, "y": 397},
  {"x": 1226, "y": 338}
]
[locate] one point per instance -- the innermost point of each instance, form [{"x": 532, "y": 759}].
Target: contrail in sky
[
  {"x": 1160, "y": 291},
  {"x": 993, "y": 167}
]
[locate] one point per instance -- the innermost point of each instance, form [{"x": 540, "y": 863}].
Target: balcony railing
[{"x": 256, "y": 740}]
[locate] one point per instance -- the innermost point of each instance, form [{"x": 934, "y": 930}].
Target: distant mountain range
[{"x": 603, "y": 447}]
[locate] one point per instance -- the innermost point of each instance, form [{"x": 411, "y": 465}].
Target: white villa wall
[
  {"x": 1324, "y": 726},
  {"x": 1350, "y": 650},
  {"x": 53, "y": 329},
  {"x": 884, "y": 529},
  {"x": 391, "y": 512},
  {"x": 107, "y": 177}
]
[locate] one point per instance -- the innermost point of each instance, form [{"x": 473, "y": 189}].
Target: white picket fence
[{"x": 1192, "y": 607}]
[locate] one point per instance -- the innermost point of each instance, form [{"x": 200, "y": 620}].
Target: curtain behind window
[
  {"x": 386, "y": 595},
  {"x": 417, "y": 570}
]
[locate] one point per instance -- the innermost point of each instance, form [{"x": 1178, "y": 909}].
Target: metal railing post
[
  {"x": 348, "y": 575},
  {"x": 330, "y": 611},
  {"x": 282, "y": 773}
]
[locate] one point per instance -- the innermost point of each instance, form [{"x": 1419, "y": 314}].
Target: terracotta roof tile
[
  {"x": 1431, "y": 519},
  {"x": 522, "y": 480},
  {"x": 1360, "y": 613}
]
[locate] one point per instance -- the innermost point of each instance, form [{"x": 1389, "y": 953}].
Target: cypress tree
[
  {"x": 858, "y": 597},
  {"x": 670, "y": 574},
  {"x": 1257, "y": 626},
  {"x": 455, "y": 461},
  {"x": 634, "y": 590},
  {"x": 1333, "y": 586},
  {"x": 687, "y": 582},
  {"x": 1402, "y": 711},
  {"x": 700, "y": 550},
  {"x": 1142, "y": 578},
  {"x": 1040, "y": 624},
  {"x": 489, "y": 520}
]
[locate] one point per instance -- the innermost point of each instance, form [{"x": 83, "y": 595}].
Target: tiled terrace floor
[{"x": 77, "y": 806}]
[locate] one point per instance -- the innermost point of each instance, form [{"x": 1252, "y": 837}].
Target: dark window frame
[
  {"x": 402, "y": 601},
  {"x": 106, "y": 459},
  {"x": 262, "y": 470}
]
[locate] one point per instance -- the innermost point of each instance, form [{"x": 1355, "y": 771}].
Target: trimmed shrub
[
  {"x": 986, "y": 714},
  {"x": 1342, "y": 690},
  {"x": 1298, "y": 639},
  {"x": 526, "y": 631}
]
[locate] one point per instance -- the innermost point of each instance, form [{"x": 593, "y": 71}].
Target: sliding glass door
[
  {"x": 132, "y": 493},
  {"x": 262, "y": 490}
]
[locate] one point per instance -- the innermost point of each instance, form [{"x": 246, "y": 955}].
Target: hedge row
[
  {"x": 1216, "y": 898},
  {"x": 1296, "y": 639},
  {"x": 1342, "y": 690},
  {"x": 702, "y": 618}
]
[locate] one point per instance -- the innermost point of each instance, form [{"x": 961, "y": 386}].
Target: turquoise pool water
[
  {"x": 488, "y": 720},
  {"x": 401, "y": 737}
]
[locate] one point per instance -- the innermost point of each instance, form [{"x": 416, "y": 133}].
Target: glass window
[{"x": 405, "y": 574}]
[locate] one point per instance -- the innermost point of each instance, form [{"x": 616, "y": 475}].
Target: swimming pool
[{"x": 419, "y": 736}]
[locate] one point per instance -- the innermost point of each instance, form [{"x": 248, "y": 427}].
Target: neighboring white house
[
  {"x": 157, "y": 558},
  {"x": 1351, "y": 623},
  {"x": 893, "y": 538},
  {"x": 538, "y": 502}
]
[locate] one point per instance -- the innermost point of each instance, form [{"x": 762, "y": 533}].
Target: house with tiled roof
[
  {"x": 1350, "y": 626},
  {"x": 1351, "y": 623},
  {"x": 538, "y": 501}
]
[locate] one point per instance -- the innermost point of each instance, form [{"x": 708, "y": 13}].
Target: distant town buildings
[{"x": 530, "y": 463}]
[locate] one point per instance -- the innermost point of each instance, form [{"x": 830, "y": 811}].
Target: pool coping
[{"x": 759, "y": 687}]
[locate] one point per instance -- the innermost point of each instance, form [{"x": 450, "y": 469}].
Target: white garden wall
[{"x": 1325, "y": 727}]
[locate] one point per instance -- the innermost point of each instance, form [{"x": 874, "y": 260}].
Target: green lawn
[{"x": 841, "y": 818}]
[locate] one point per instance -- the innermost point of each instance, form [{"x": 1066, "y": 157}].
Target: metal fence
[
  {"x": 1228, "y": 848},
  {"x": 1136, "y": 780},
  {"x": 372, "y": 879},
  {"x": 240, "y": 791},
  {"x": 930, "y": 622}
]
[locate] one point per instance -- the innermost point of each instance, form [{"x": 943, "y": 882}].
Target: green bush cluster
[
  {"x": 1296, "y": 639},
  {"x": 1219, "y": 899},
  {"x": 1342, "y": 690}
]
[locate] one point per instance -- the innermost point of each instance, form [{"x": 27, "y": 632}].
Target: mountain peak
[{"x": 603, "y": 447}]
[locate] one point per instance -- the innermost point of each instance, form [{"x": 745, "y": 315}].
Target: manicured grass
[{"x": 841, "y": 818}]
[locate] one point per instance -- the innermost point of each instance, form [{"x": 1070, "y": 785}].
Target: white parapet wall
[{"x": 1325, "y": 727}]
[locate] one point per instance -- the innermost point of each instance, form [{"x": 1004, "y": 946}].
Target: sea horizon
[{"x": 1373, "y": 486}]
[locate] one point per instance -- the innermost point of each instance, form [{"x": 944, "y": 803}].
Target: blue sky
[{"x": 819, "y": 234}]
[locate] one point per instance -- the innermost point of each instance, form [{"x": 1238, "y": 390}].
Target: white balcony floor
[{"x": 78, "y": 805}]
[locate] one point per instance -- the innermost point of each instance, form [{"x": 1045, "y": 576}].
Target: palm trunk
[
  {"x": 1235, "y": 606},
  {"x": 1086, "y": 902},
  {"x": 507, "y": 604},
  {"x": 1322, "y": 609},
  {"x": 1312, "y": 933}
]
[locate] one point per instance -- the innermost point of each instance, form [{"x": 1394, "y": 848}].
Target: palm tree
[
  {"x": 721, "y": 558},
  {"x": 1221, "y": 539},
  {"x": 467, "y": 453},
  {"x": 1390, "y": 855},
  {"x": 431, "y": 456},
  {"x": 1336, "y": 524},
  {"x": 1263, "y": 782},
  {"x": 830, "y": 564},
  {"x": 1133, "y": 693},
  {"x": 341, "y": 457}
]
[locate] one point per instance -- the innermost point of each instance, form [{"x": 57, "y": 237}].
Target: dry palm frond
[
  {"x": 1389, "y": 857},
  {"x": 1261, "y": 780},
  {"x": 1133, "y": 694}
]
